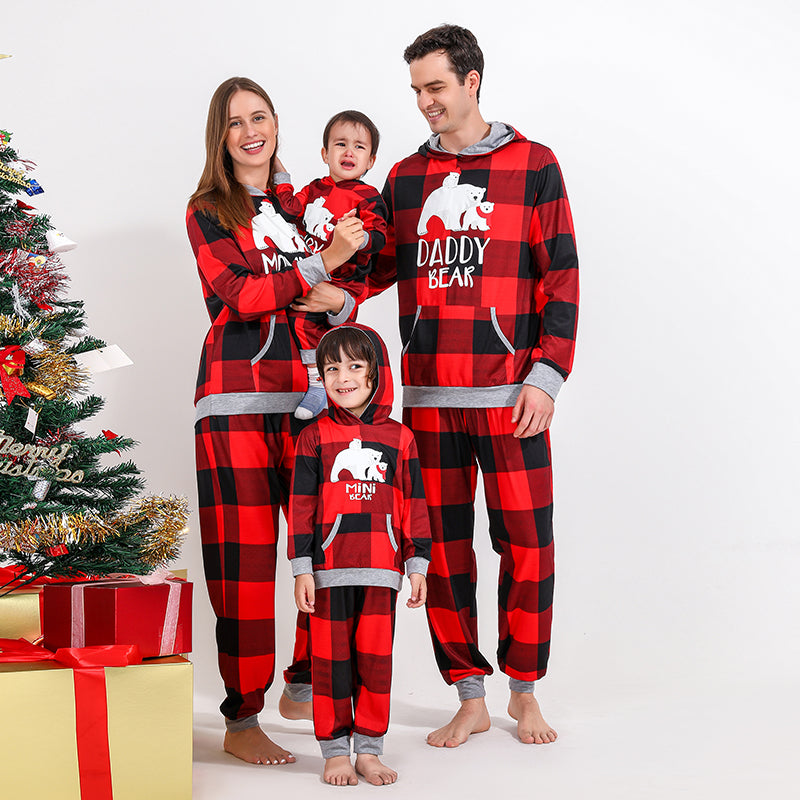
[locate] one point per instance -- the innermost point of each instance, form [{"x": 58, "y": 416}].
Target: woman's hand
[
  {"x": 319, "y": 298},
  {"x": 348, "y": 236}
]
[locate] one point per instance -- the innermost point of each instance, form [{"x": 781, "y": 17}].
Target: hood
[
  {"x": 500, "y": 135},
  {"x": 380, "y": 404}
]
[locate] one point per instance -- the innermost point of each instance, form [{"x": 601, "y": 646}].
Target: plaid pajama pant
[
  {"x": 452, "y": 443},
  {"x": 352, "y": 629},
  {"x": 244, "y": 466}
]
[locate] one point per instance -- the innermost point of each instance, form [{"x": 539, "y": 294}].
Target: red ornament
[
  {"x": 111, "y": 435},
  {"x": 57, "y": 550}
]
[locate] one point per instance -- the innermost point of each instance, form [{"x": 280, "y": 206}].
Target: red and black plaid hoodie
[
  {"x": 250, "y": 363},
  {"x": 357, "y": 511},
  {"x": 322, "y": 203},
  {"x": 481, "y": 246}
]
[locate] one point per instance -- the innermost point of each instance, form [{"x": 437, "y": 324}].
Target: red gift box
[{"x": 156, "y": 617}]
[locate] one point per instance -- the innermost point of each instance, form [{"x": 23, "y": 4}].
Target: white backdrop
[{"x": 675, "y": 126}]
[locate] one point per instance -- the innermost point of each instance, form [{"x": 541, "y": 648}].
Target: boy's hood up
[{"x": 380, "y": 404}]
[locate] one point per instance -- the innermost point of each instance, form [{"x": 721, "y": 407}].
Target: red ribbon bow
[
  {"x": 12, "y": 362},
  {"x": 91, "y": 705}
]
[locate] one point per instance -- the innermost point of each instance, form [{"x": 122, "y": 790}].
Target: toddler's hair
[
  {"x": 357, "y": 118},
  {"x": 352, "y": 343}
]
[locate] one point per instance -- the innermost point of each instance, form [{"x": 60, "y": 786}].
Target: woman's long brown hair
[{"x": 218, "y": 190}]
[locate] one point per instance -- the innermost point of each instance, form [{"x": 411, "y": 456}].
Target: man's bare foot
[
  {"x": 255, "y": 747},
  {"x": 531, "y": 727},
  {"x": 339, "y": 771},
  {"x": 472, "y": 717},
  {"x": 370, "y": 768},
  {"x": 291, "y": 709}
]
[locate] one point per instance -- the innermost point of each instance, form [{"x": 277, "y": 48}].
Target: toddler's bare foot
[
  {"x": 255, "y": 747},
  {"x": 291, "y": 709},
  {"x": 370, "y": 767},
  {"x": 531, "y": 727},
  {"x": 339, "y": 771},
  {"x": 472, "y": 717}
]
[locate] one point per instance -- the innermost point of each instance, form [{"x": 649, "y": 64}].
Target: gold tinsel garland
[
  {"x": 13, "y": 326},
  {"x": 60, "y": 372},
  {"x": 167, "y": 517}
]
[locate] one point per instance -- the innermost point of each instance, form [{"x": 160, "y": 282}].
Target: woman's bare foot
[
  {"x": 291, "y": 709},
  {"x": 531, "y": 727},
  {"x": 339, "y": 771},
  {"x": 371, "y": 768},
  {"x": 471, "y": 718},
  {"x": 255, "y": 747}
]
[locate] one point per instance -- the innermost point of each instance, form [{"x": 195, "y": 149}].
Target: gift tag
[
  {"x": 102, "y": 359},
  {"x": 32, "y": 420}
]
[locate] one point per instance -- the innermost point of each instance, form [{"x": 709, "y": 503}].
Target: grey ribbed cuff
[
  {"x": 417, "y": 564},
  {"x": 281, "y": 177},
  {"x": 470, "y": 687},
  {"x": 521, "y": 686},
  {"x": 344, "y": 314},
  {"x": 302, "y": 566},
  {"x": 312, "y": 269},
  {"x": 368, "y": 745},
  {"x": 308, "y": 358},
  {"x": 545, "y": 378},
  {"x": 236, "y": 725},
  {"x": 335, "y": 747},
  {"x": 298, "y": 692}
]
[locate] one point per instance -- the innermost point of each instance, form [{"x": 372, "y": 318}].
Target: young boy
[
  {"x": 357, "y": 516},
  {"x": 349, "y": 146}
]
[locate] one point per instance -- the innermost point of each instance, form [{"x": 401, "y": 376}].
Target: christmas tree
[{"x": 62, "y": 512}]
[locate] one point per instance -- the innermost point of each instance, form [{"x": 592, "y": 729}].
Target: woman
[{"x": 252, "y": 265}]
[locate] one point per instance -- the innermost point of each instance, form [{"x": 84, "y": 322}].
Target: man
[{"x": 482, "y": 249}]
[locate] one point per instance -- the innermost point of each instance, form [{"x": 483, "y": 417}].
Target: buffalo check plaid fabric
[
  {"x": 352, "y": 629},
  {"x": 452, "y": 443},
  {"x": 482, "y": 249},
  {"x": 328, "y": 201},
  {"x": 244, "y": 465}
]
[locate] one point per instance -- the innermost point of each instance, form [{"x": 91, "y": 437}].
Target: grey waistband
[
  {"x": 226, "y": 405},
  {"x": 461, "y": 396},
  {"x": 355, "y": 576}
]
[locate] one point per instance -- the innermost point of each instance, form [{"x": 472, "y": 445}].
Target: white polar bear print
[
  {"x": 363, "y": 463},
  {"x": 317, "y": 219},
  {"x": 473, "y": 221},
  {"x": 449, "y": 202},
  {"x": 269, "y": 224}
]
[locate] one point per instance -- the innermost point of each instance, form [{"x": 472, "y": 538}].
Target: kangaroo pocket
[
  {"x": 360, "y": 541},
  {"x": 459, "y": 346}
]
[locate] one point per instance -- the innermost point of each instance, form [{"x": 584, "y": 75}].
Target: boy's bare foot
[
  {"x": 255, "y": 747},
  {"x": 531, "y": 727},
  {"x": 339, "y": 771},
  {"x": 472, "y": 717},
  {"x": 370, "y": 768},
  {"x": 291, "y": 709}
]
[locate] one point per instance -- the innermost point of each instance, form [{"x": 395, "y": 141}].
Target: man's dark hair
[
  {"x": 352, "y": 343},
  {"x": 459, "y": 44},
  {"x": 357, "y": 118}
]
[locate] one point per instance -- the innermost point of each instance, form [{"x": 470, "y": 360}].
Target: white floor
[{"x": 639, "y": 742}]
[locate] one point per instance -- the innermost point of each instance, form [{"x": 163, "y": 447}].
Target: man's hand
[
  {"x": 419, "y": 590},
  {"x": 304, "y": 593},
  {"x": 533, "y": 411},
  {"x": 322, "y": 297}
]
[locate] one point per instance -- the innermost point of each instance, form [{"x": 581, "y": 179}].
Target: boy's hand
[
  {"x": 419, "y": 590},
  {"x": 304, "y": 593}
]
